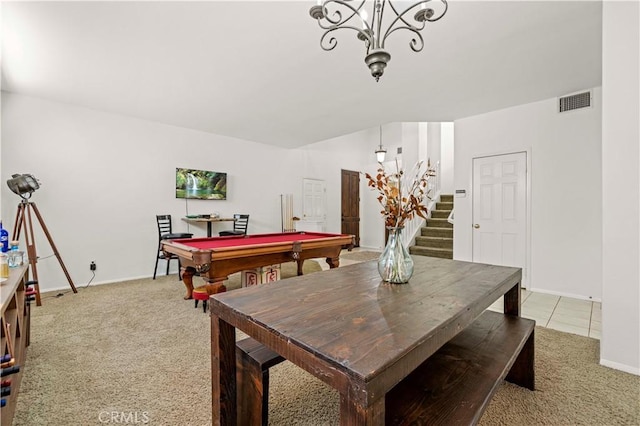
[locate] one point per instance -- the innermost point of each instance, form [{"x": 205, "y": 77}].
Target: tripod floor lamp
[{"x": 24, "y": 185}]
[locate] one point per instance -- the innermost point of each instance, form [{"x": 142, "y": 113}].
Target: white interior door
[
  {"x": 313, "y": 202},
  {"x": 500, "y": 211}
]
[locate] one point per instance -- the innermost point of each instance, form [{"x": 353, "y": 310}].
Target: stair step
[
  {"x": 431, "y": 252},
  {"x": 436, "y": 237},
  {"x": 438, "y": 223},
  {"x": 436, "y": 232},
  {"x": 442, "y": 214},
  {"x": 444, "y": 206},
  {"x": 435, "y": 242}
]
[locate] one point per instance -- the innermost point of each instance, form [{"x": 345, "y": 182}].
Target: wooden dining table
[{"x": 362, "y": 336}]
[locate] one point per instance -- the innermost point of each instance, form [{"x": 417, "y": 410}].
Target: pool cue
[
  {"x": 8, "y": 337},
  {"x": 11, "y": 360}
]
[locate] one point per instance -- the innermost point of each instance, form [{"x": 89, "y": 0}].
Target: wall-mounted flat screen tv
[{"x": 201, "y": 184}]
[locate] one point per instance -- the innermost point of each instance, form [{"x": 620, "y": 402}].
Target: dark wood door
[{"x": 351, "y": 204}]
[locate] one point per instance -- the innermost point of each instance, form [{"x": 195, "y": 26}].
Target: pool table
[{"x": 216, "y": 258}]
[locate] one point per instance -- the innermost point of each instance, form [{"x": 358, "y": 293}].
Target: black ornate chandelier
[{"x": 333, "y": 15}]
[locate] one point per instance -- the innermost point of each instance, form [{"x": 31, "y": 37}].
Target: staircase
[{"x": 436, "y": 238}]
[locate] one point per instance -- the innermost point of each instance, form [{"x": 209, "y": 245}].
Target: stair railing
[{"x": 413, "y": 228}]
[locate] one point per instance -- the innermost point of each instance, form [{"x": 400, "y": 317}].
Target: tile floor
[{"x": 582, "y": 317}]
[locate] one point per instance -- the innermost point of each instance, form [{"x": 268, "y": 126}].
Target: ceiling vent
[{"x": 575, "y": 101}]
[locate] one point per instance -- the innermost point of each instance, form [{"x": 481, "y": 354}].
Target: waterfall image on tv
[{"x": 201, "y": 184}]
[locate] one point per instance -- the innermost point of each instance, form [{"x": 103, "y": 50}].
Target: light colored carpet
[
  {"x": 360, "y": 255},
  {"x": 136, "y": 350}
]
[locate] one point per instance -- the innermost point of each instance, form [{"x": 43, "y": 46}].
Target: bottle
[
  {"x": 4, "y": 238},
  {"x": 4, "y": 266},
  {"x": 14, "y": 256}
]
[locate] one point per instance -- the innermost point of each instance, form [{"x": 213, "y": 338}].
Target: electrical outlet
[{"x": 92, "y": 266}]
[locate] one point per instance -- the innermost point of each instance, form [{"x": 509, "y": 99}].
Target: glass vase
[{"x": 395, "y": 264}]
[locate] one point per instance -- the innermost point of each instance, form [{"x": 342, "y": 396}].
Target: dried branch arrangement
[{"x": 402, "y": 200}]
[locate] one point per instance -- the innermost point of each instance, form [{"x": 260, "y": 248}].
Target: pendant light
[{"x": 380, "y": 152}]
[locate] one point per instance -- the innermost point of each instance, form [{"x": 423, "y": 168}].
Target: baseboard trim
[
  {"x": 563, "y": 294},
  {"x": 622, "y": 367}
]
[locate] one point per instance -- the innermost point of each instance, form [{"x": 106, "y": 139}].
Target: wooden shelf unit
[{"x": 16, "y": 319}]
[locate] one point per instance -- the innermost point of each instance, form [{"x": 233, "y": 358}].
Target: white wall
[
  {"x": 440, "y": 142},
  {"x": 355, "y": 151},
  {"x": 410, "y": 145},
  {"x": 620, "y": 343},
  {"x": 434, "y": 143},
  {"x": 447, "y": 158},
  {"x": 105, "y": 177},
  {"x": 566, "y": 189},
  {"x": 324, "y": 160}
]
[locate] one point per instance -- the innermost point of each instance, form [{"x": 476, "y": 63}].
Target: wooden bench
[
  {"x": 253, "y": 361},
  {"x": 455, "y": 385}
]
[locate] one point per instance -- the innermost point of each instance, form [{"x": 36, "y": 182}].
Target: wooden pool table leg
[
  {"x": 213, "y": 287},
  {"x": 333, "y": 262},
  {"x": 187, "y": 278}
]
